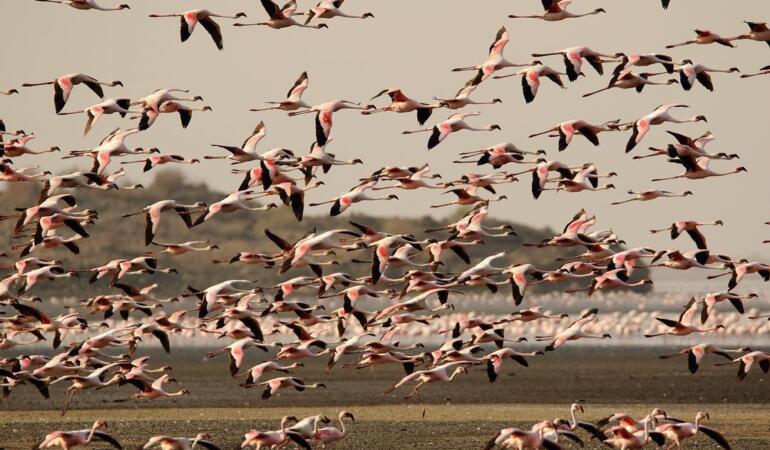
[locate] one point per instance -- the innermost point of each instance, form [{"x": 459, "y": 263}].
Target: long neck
[
  {"x": 342, "y": 427},
  {"x": 315, "y": 425},
  {"x": 91, "y": 433}
]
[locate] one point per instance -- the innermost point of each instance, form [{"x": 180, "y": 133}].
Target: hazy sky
[{"x": 413, "y": 45}]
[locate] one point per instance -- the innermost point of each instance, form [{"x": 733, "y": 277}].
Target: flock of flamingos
[{"x": 402, "y": 271}]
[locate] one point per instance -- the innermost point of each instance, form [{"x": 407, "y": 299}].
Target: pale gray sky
[{"x": 413, "y": 45}]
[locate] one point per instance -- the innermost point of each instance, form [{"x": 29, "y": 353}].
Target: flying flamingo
[
  {"x": 696, "y": 353},
  {"x": 455, "y": 122},
  {"x": 679, "y": 327},
  {"x": 280, "y": 17},
  {"x": 462, "y": 98},
  {"x": 203, "y": 16},
  {"x": 530, "y": 79},
  {"x": 91, "y": 381},
  {"x": 343, "y": 202},
  {"x": 329, "y": 9},
  {"x": 276, "y": 384},
  {"x": 438, "y": 373},
  {"x": 400, "y": 103},
  {"x": 85, "y": 5},
  {"x": 704, "y": 37},
  {"x": 657, "y": 117},
  {"x": 746, "y": 362},
  {"x": 573, "y": 60},
  {"x": 556, "y": 11},
  {"x": 153, "y": 215},
  {"x": 629, "y": 80},
  {"x": 568, "y": 129},
  {"x": 646, "y": 196},
  {"x": 691, "y": 228},
  {"x": 110, "y": 106},
  {"x": 323, "y": 118},
  {"x": 293, "y": 99},
  {"x": 63, "y": 85},
  {"x": 759, "y": 32},
  {"x": 573, "y": 332},
  {"x": 494, "y": 62}
]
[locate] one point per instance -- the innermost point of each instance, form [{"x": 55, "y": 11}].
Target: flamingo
[
  {"x": 691, "y": 228},
  {"x": 568, "y": 129},
  {"x": 644, "y": 60},
  {"x": 293, "y": 100},
  {"x": 438, "y": 373},
  {"x": 679, "y": 327},
  {"x": 323, "y": 118},
  {"x": 696, "y": 353},
  {"x": 629, "y": 80},
  {"x": 280, "y": 17},
  {"x": 110, "y": 106},
  {"x": 495, "y": 61},
  {"x": 276, "y": 384},
  {"x": 455, "y": 122},
  {"x": 152, "y": 391},
  {"x": 704, "y": 37},
  {"x": 759, "y": 32},
  {"x": 400, "y": 103},
  {"x": 255, "y": 373},
  {"x": 657, "y": 117},
  {"x": 573, "y": 60},
  {"x": 496, "y": 358},
  {"x": 624, "y": 439},
  {"x": 191, "y": 18},
  {"x": 698, "y": 169},
  {"x": 689, "y": 72},
  {"x": 180, "y": 443},
  {"x": 746, "y": 362},
  {"x": 530, "y": 79},
  {"x": 232, "y": 203},
  {"x": 499, "y": 155},
  {"x": 153, "y": 215},
  {"x": 556, "y": 11},
  {"x": 150, "y": 114},
  {"x": 91, "y": 381},
  {"x": 742, "y": 268},
  {"x": 573, "y": 332},
  {"x": 463, "y": 97},
  {"x": 330, "y": 435},
  {"x": 329, "y": 9},
  {"x": 237, "y": 351},
  {"x": 342, "y": 203},
  {"x": 645, "y": 196},
  {"x": 710, "y": 300},
  {"x": 85, "y": 5},
  {"x": 63, "y": 85},
  {"x": 258, "y": 439},
  {"x": 160, "y": 159},
  {"x": 69, "y": 439},
  {"x": 677, "y": 432},
  {"x": 515, "y": 438}
]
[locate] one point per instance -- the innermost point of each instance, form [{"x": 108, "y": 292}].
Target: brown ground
[{"x": 459, "y": 415}]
